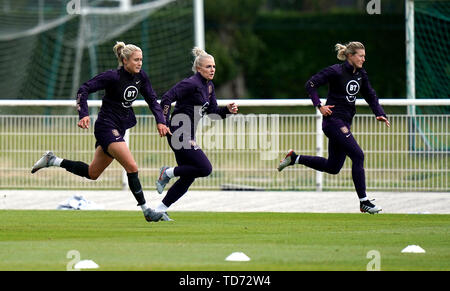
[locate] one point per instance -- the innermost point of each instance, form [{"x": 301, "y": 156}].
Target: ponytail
[
  {"x": 124, "y": 51},
  {"x": 348, "y": 49},
  {"x": 199, "y": 54}
]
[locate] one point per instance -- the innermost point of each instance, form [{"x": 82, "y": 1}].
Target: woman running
[
  {"x": 122, "y": 87},
  {"x": 345, "y": 81},
  {"x": 194, "y": 97}
]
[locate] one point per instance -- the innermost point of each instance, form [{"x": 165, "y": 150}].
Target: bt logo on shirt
[
  {"x": 352, "y": 88},
  {"x": 129, "y": 95}
]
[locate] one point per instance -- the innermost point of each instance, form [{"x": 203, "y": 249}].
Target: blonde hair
[
  {"x": 199, "y": 55},
  {"x": 124, "y": 51},
  {"x": 348, "y": 49}
]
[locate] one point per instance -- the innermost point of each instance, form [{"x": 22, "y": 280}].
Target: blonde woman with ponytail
[
  {"x": 345, "y": 80},
  {"x": 122, "y": 86},
  {"x": 194, "y": 98}
]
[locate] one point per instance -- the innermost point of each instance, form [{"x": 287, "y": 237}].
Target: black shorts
[{"x": 105, "y": 136}]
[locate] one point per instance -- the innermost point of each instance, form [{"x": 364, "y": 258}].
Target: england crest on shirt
[{"x": 210, "y": 89}]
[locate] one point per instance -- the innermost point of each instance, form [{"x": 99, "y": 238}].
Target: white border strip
[{"x": 239, "y": 102}]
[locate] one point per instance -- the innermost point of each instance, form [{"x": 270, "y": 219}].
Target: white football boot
[
  {"x": 162, "y": 180},
  {"x": 287, "y": 161},
  {"x": 44, "y": 162},
  {"x": 369, "y": 207}
]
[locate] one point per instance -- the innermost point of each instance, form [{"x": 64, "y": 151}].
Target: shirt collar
[
  {"x": 349, "y": 67},
  {"x": 200, "y": 77},
  {"x": 128, "y": 74}
]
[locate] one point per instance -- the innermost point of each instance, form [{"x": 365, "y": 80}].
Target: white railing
[
  {"x": 240, "y": 102},
  {"x": 413, "y": 155}
]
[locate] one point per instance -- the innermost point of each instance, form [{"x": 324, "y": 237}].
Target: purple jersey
[
  {"x": 121, "y": 89},
  {"x": 344, "y": 85},
  {"x": 194, "y": 97}
]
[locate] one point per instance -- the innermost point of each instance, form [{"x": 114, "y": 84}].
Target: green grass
[{"x": 122, "y": 240}]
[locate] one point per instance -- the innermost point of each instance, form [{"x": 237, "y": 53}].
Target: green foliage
[
  {"x": 300, "y": 45},
  {"x": 229, "y": 36},
  {"x": 277, "y": 51}
]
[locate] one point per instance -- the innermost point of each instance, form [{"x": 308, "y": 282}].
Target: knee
[
  {"x": 205, "y": 170},
  {"x": 358, "y": 157},
  {"x": 334, "y": 170},
  {"x": 362, "y": 156},
  {"x": 131, "y": 167},
  {"x": 93, "y": 175}
]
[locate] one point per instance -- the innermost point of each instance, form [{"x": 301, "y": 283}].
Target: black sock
[
  {"x": 75, "y": 167},
  {"x": 136, "y": 188},
  {"x": 293, "y": 158}
]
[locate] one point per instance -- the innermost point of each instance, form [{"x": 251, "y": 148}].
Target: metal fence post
[
  {"x": 319, "y": 149},
  {"x": 124, "y": 173}
]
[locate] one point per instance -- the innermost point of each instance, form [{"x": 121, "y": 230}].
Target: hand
[
  {"x": 163, "y": 130},
  {"x": 382, "y": 118},
  {"x": 326, "y": 110},
  {"x": 84, "y": 122},
  {"x": 233, "y": 108}
]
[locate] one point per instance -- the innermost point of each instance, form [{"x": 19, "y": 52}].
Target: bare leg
[
  {"x": 100, "y": 162},
  {"x": 121, "y": 152}
]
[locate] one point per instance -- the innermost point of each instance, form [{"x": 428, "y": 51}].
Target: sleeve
[
  {"x": 214, "y": 108},
  {"x": 151, "y": 98},
  {"x": 168, "y": 98},
  {"x": 316, "y": 81},
  {"x": 370, "y": 96},
  {"x": 95, "y": 84}
]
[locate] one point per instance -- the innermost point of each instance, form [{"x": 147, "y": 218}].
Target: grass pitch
[{"x": 200, "y": 241}]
